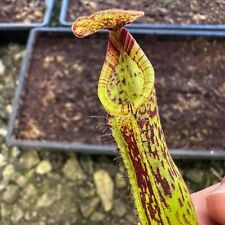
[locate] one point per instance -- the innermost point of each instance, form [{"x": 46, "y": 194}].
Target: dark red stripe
[
  {"x": 131, "y": 43},
  {"x": 127, "y": 40},
  {"x": 142, "y": 175},
  {"x": 123, "y": 37},
  {"x": 110, "y": 45}
]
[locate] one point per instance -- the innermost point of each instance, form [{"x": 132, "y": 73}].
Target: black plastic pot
[
  {"x": 87, "y": 148},
  {"x": 23, "y": 26},
  {"x": 64, "y": 22}
]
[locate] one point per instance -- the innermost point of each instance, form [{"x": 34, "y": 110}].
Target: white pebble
[
  {"x": 105, "y": 188},
  {"x": 2, "y": 67},
  {"x": 8, "y": 172},
  {"x": 3, "y": 132},
  {"x": 9, "y": 108},
  {"x": 43, "y": 167},
  {"x": 2, "y": 160}
]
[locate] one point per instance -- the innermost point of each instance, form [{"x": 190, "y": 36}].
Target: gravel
[{"x": 40, "y": 187}]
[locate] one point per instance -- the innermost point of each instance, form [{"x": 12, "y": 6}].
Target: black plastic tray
[
  {"x": 23, "y": 26},
  {"x": 87, "y": 148},
  {"x": 64, "y": 22}
]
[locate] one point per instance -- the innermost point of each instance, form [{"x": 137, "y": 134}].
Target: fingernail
[{"x": 220, "y": 188}]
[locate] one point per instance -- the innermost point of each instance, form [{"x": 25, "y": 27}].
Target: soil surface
[
  {"x": 65, "y": 87},
  {"x": 159, "y": 11},
  {"x": 24, "y": 11},
  {"x": 60, "y": 96}
]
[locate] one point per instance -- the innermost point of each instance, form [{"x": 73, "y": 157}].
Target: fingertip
[
  {"x": 215, "y": 202},
  {"x": 199, "y": 201},
  {"x": 216, "y": 207}
]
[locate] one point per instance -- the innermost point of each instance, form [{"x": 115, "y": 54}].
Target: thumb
[
  {"x": 215, "y": 202},
  {"x": 204, "y": 203}
]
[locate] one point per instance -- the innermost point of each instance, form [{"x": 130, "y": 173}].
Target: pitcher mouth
[{"x": 128, "y": 67}]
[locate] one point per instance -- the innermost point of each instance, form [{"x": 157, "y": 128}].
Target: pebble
[
  {"x": 3, "y": 132},
  {"x": 195, "y": 175},
  {"x": 72, "y": 170},
  {"x": 29, "y": 191},
  {"x": 19, "y": 55},
  {"x": 2, "y": 160},
  {"x": 44, "y": 167},
  {"x": 97, "y": 216},
  {"x": 29, "y": 159},
  {"x": 132, "y": 216},
  {"x": 105, "y": 188},
  {"x": 5, "y": 211},
  {"x": 5, "y": 150},
  {"x": 87, "y": 191},
  {"x": 87, "y": 207},
  {"x": 9, "y": 109},
  {"x": 20, "y": 180},
  {"x": 8, "y": 172},
  {"x": 2, "y": 68},
  {"x": 30, "y": 174},
  {"x": 3, "y": 185},
  {"x": 120, "y": 181},
  {"x": 30, "y": 215},
  {"x": 15, "y": 152},
  {"x": 41, "y": 223},
  {"x": 17, "y": 214},
  {"x": 87, "y": 164},
  {"x": 46, "y": 199},
  {"x": 11, "y": 193},
  {"x": 120, "y": 208}
]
